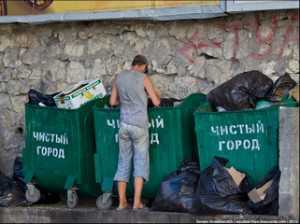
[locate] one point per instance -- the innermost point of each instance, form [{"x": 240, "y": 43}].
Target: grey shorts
[{"x": 133, "y": 142}]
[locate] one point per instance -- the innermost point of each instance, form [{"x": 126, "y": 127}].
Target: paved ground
[{"x": 86, "y": 213}]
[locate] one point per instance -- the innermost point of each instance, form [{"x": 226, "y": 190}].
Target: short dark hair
[{"x": 139, "y": 60}]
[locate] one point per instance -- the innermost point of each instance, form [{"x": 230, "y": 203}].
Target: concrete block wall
[{"x": 289, "y": 162}]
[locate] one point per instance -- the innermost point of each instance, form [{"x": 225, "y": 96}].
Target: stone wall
[{"x": 186, "y": 57}]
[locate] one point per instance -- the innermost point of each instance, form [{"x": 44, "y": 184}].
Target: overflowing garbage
[
  {"x": 37, "y": 98},
  {"x": 79, "y": 94},
  {"x": 282, "y": 87},
  {"x": 246, "y": 89},
  {"x": 263, "y": 198},
  {"x": 217, "y": 190},
  {"x": 71, "y": 98}
]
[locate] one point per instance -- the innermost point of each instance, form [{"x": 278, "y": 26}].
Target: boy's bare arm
[
  {"x": 152, "y": 92},
  {"x": 114, "y": 98}
]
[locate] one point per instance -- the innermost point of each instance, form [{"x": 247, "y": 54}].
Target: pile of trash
[
  {"x": 80, "y": 94},
  {"x": 12, "y": 190},
  {"x": 71, "y": 98},
  {"x": 217, "y": 190},
  {"x": 252, "y": 90}
]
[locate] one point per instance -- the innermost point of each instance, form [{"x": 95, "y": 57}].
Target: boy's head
[{"x": 140, "y": 64}]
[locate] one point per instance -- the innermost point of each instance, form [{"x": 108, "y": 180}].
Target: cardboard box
[
  {"x": 258, "y": 194},
  {"x": 79, "y": 94},
  {"x": 237, "y": 176},
  {"x": 295, "y": 93}
]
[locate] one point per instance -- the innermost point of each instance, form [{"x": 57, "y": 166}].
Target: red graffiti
[
  {"x": 195, "y": 43},
  {"x": 291, "y": 35},
  {"x": 235, "y": 27},
  {"x": 268, "y": 40}
]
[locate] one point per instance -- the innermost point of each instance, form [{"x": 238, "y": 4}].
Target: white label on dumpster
[
  {"x": 50, "y": 152},
  {"x": 239, "y": 129},
  {"x": 157, "y": 123},
  {"x": 51, "y": 138},
  {"x": 246, "y": 144},
  {"x": 47, "y": 151}
]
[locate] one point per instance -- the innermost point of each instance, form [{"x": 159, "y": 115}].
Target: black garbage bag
[
  {"x": 177, "y": 191},
  {"x": 5, "y": 188},
  {"x": 269, "y": 204},
  {"x": 49, "y": 197},
  {"x": 35, "y": 97},
  {"x": 18, "y": 174},
  {"x": 218, "y": 193},
  {"x": 242, "y": 91},
  {"x": 10, "y": 193},
  {"x": 282, "y": 87}
]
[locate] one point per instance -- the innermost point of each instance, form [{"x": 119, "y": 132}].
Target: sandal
[
  {"x": 122, "y": 209},
  {"x": 143, "y": 209}
]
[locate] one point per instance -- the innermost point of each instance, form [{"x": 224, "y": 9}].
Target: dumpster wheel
[
  {"x": 104, "y": 201},
  {"x": 72, "y": 199},
  {"x": 32, "y": 194}
]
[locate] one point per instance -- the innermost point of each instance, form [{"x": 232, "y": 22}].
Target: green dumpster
[
  {"x": 172, "y": 140},
  {"x": 248, "y": 138},
  {"x": 60, "y": 146}
]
